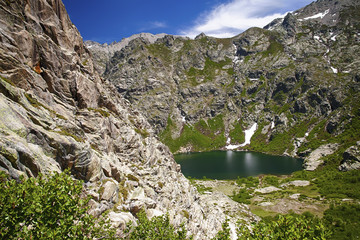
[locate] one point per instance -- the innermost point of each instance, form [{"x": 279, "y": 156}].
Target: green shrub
[
  {"x": 249, "y": 182},
  {"x": 46, "y": 208},
  {"x": 156, "y": 228},
  {"x": 289, "y": 226},
  {"x": 224, "y": 233},
  {"x": 271, "y": 180},
  {"x": 344, "y": 220},
  {"x": 242, "y": 196}
]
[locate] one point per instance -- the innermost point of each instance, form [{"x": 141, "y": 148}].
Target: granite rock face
[
  {"x": 57, "y": 113},
  {"x": 298, "y": 78},
  {"x": 103, "y": 52},
  {"x": 351, "y": 158}
]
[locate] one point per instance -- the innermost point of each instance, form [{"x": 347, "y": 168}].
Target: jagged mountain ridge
[
  {"x": 103, "y": 52},
  {"x": 299, "y": 74},
  {"x": 57, "y": 113}
]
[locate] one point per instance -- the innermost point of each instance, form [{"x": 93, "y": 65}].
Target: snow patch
[
  {"x": 306, "y": 134},
  {"x": 317, "y": 38},
  {"x": 253, "y": 79},
  {"x": 248, "y": 134},
  {"x": 319, "y": 15},
  {"x": 334, "y": 70},
  {"x": 333, "y": 38},
  {"x": 272, "y": 125},
  {"x": 183, "y": 119}
]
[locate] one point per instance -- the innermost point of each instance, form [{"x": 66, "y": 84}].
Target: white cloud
[
  {"x": 153, "y": 25},
  {"x": 234, "y": 17},
  {"x": 157, "y": 24}
]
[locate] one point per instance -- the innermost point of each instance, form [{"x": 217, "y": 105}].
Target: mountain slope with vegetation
[{"x": 298, "y": 79}]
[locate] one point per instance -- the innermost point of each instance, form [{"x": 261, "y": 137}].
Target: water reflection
[
  {"x": 250, "y": 163},
  {"x": 229, "y": 164},
  {"x": 229, "y": 159}
]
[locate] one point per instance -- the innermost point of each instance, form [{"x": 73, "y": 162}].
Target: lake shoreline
[{"x": 231, "y": 164}]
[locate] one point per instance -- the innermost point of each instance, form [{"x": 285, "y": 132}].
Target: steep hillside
[
  {"x": 56, "y": 113},
  {"x": 103, "y": 52},
  {"x": 298, "y": 79}
]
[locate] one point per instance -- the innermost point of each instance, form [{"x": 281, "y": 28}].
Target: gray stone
[
  {"x": 314, "y": 160},
  {"x": 267, "y": 189},
  {"x": 351, "y": 158},
  {"x": 110, "y": 191}
]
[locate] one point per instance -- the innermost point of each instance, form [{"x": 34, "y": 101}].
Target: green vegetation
[
  {"x": 344, "y": 221},
  {"x": 36, "y": 104},
  {"x": 280, "y": 142},
  {"x": 242, "y": 196},
  {"x": 331, "y": 182},
  {"x": 156, "y": 228},
  {"x": 274, "y": 48},
  {"x": 160, "y": 50},
  {"x": 101, "y": 111},
  {"x": 52, "y": 208},
  {"x": 237, "y": 134},
  {"x": 143, "y": 132},
  {"x": 209, "y": 72},
  {"x": 47, "y": 208},
  {"x": 270, "y": 180},
  {"x": 202, "y": 136},
  {"x": 66, "y": 132},
  {"x": 132, "y": 178},
  {"x": 224, "y": 233},
  {"x": 200, "y": 188},
  {"x": 289, "y": 226},
  {"x": 249, "y": 182},
  {"x": 7, "y": 80}
]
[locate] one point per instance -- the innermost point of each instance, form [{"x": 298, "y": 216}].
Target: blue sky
[{"x": 112, "y": 20}]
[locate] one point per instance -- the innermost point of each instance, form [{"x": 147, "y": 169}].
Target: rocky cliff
[
  {"x": 298, "y": 79},
  {"x": 57, "y": 113},
  {"x": 103, "y": 52}
]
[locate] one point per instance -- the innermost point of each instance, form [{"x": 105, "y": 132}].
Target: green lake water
[{"x": 230, "y": 165}]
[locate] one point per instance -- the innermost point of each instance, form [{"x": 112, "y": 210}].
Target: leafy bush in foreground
[
  {"x": 46, "y": 208},
  {"x": 289, "y": 226},
  {"x": 155, "y": 228},
  {"x": 344, "y": 220}
]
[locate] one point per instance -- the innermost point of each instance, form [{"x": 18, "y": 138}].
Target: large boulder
[{"x": 351, "y": 158}]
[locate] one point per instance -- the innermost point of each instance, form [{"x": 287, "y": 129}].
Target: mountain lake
[{"x": 231, "y": 164}]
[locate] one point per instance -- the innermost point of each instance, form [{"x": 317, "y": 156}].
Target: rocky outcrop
[
  {"x": 266, "y": 190},
  {"x": 314, "y": 160},
  {"x": 296, "y": 183},
  {"x": 351, "y": 158},
  {"x": 56, "y": 113},
  {"x": 102, "y": 53}
]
